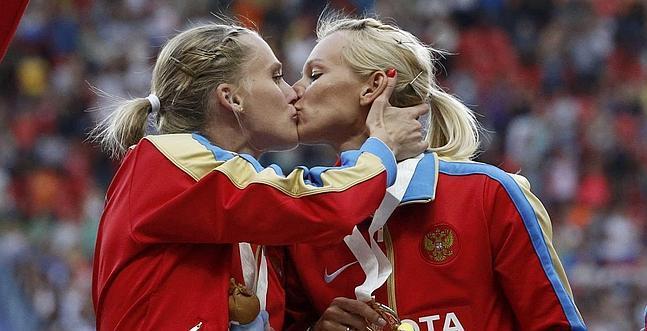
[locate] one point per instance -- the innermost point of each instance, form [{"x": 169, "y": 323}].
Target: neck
[
  {"x": 354, "y": 135},
  {"x": 354, "y": 142},
  {"x": 231, "y": 138}
]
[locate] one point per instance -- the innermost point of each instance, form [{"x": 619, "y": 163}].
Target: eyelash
[{"x": 277, "y": 78}]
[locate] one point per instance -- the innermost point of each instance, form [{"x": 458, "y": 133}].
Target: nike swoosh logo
[{"x": 329, "y": 278}]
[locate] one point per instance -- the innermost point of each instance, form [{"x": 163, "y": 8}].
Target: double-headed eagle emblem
[{"x": 439, "y": 244}]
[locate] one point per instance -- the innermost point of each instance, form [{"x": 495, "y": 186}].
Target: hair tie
[{"x": 155, "y": 103}]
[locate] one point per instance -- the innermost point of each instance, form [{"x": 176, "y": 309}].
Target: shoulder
[
  {"x": 191, "y": 153},
  {"x": 182, "y": 145},
  {"x": 462, "y": 168},
  {"x": 486, "y": 171}
]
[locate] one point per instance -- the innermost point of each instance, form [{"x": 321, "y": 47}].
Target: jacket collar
[{"x": 422, "y": 187}]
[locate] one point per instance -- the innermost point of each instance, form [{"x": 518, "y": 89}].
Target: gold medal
[
  {"x": 405, "y": 327},
  {"x": 392, "y": 320},
  {"x": 244, "y": 305}
]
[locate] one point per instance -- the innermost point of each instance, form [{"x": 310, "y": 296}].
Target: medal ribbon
[
  {"x": 255, "y": 275},
  {"x": 371, "y": 258}
]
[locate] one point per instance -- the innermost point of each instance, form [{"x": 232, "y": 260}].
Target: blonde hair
[
  {"x": 453, "y": 130},
  {"x": 189, "y": 67}
]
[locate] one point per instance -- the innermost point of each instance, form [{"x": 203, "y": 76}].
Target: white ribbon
[
  {"x": 254, "y": 280},
  {"x": 371, "y": 258}
]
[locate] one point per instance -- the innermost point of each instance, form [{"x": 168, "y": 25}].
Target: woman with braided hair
[
  {"x": 466, "y": 247},
  {"x": 183, "y": 199}
]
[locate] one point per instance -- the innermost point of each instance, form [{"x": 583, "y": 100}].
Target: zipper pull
[{"x": 197, "y": 327}]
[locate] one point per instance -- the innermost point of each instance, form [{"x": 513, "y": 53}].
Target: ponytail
[
  {"x": 453, "y": 129},
  {"x": 189, "y": 67},
  {"x": 124, "y": 127}
]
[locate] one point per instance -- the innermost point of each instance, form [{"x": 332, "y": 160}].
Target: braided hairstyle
[
  {"x": 453, "y": 131},
  {"x": 189, "y": 67}
]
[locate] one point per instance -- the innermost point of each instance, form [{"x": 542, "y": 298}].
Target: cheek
[
  {"x": 269, "y": 100},
  {"x": 322, "y": 96}
]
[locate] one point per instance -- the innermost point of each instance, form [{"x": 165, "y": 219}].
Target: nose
[
  {"x": 298, "y": 88},
  {"x": 290, "y": 94}
]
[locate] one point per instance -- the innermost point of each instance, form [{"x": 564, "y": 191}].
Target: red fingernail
[{"x": 391, "y": 72}]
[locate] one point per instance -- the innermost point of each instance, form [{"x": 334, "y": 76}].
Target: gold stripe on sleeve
[
  {"x": 242, "y": 173},
  {"x": 197, "y": 161}
]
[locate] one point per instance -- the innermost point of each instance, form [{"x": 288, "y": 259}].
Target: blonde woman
[
  {"x": 469, "y": 245},
  {"x": 182, "y": 199}
]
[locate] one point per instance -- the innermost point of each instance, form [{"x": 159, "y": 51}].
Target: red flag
[{"x": 10, "y": 13}]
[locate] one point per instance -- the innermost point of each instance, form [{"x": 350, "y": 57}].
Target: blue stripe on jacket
[{"x": 531, "y": 223}]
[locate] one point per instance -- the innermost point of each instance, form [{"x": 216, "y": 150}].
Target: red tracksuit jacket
[
  {"x": 178, "y": 203},
  {"x": 471, "y": 250},
  {"x": 12, "y": 11}
]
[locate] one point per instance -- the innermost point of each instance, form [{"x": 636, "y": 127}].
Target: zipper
[
  {"x": 197, "y": 327},
  {"x": 390, "y": 282}
]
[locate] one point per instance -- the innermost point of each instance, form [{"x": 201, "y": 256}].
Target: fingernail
[
  {"x": 381, "y": 321},
  {"x": 391, "y": 72}
]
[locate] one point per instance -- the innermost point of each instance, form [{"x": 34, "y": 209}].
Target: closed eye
[
  {"x": 277, "y": 78},
  {"x": 314, "y": 76}
]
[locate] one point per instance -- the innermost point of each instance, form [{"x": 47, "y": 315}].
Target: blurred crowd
[{"x": 560, "y": 87}]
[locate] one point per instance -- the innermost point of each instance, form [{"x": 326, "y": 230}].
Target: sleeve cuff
[{"x": 380, "y": 149}]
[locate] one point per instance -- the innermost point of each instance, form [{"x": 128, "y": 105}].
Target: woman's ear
[
  {"x": 227, "y": 98},
  {"x": 374, "y": 86}
]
